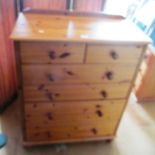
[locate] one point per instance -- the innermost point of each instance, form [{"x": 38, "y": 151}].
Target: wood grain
[
  {"x": 88, "y": 6},
  {"x": 8, "y": 83},
  {"x": 90, "y": 88},
  {"x": 77, "y": 73},
  {"x": 145, "y": 86},
  {"x": 58, "y": 121},
  {"x": 47, "y": 52},
  {"x": 72, "y": 92},
  {"x": 45, "y": 4},
  {"x": 43, "y": 27},
  {"x": 113, "y": 54}
]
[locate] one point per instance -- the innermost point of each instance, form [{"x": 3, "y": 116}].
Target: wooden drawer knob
[
  {"x": 114, "y": 55},
  {"x": 109, "y": 75},
  {"x": 52, "y": 55},
  {"x": 64, "y": 55}
]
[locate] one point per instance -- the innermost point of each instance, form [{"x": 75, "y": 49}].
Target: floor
[{"x": 136, "y": 135}]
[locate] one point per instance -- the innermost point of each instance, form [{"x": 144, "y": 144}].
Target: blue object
[
  {"x": 3, "y": 140},
  {"x": 141, "y": 26},
  {"x": 153, "y": 36}
]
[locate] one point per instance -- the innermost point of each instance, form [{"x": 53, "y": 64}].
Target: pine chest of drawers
[{"x": 76, "y": 74}]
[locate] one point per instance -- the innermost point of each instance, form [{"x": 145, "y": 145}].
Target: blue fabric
[{"x": 3, "y": 140}]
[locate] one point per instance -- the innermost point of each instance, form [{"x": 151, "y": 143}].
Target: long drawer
[
  {"x": 113, "y": 54},
  {"x": 71, "y": 92},
  {"x": 47, "y": 52},
  {"x": 86, "y": 73},
  {"x": 60, "y": 121}
]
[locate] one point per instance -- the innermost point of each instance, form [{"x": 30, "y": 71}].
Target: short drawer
[
  {"x": 113, "y": 54},
  {"x": 67, "y": 121},
  {"x": 49, "y": 52},
  {"x": 77, "y": 73},
  {"x": 71, "y": 92}
]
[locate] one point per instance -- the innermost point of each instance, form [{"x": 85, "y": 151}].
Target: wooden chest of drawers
[{"x": 76, "y": 75}]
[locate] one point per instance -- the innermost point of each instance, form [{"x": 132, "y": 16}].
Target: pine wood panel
[
  {"x": 145, "y": 88},
  {"x": 58, "y": 121},
  {"x": 113, "y": 54},
  {"x": 7, "y": 62},
  {"x": 143, "y": 68},
  {"x": 47, "y": 52},
  {"x": 72, "y": 92},
  {"x": 89, "y": 6},
  {"x": 87, "y": 73},
  {"x": 45, "y": 4},
  {"x": 52, "y": 27},
  {"x": 138, "y": 81}
]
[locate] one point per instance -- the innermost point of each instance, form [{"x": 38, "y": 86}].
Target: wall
[
  {"x": 45, "y": 4},
  {"x": 90, "y": 6},
  {"x": 79, "y": 5},
  {"x": 7, "y": 61},
  {"x": 118, "y": 7}
]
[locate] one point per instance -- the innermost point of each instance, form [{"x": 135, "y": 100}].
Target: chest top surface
[{"x": 59, "y": 27}]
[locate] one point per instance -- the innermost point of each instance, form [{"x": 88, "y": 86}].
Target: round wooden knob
[
  {"x": 114, "y": 55},
  {"x": 109, "y": 75},
  {"x": 52, "y": 54}
]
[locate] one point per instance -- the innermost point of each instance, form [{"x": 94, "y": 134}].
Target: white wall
[{"x": 118, "y": 7}]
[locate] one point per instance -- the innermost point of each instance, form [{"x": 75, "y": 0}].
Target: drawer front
[
  {"x": 60, "y": 121},
  {"x": 71, "y": 92},
  {"x": 87, "y": 73},
  {"x": 38, "y": 52},
  {"x": 113, "y": 54}
]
